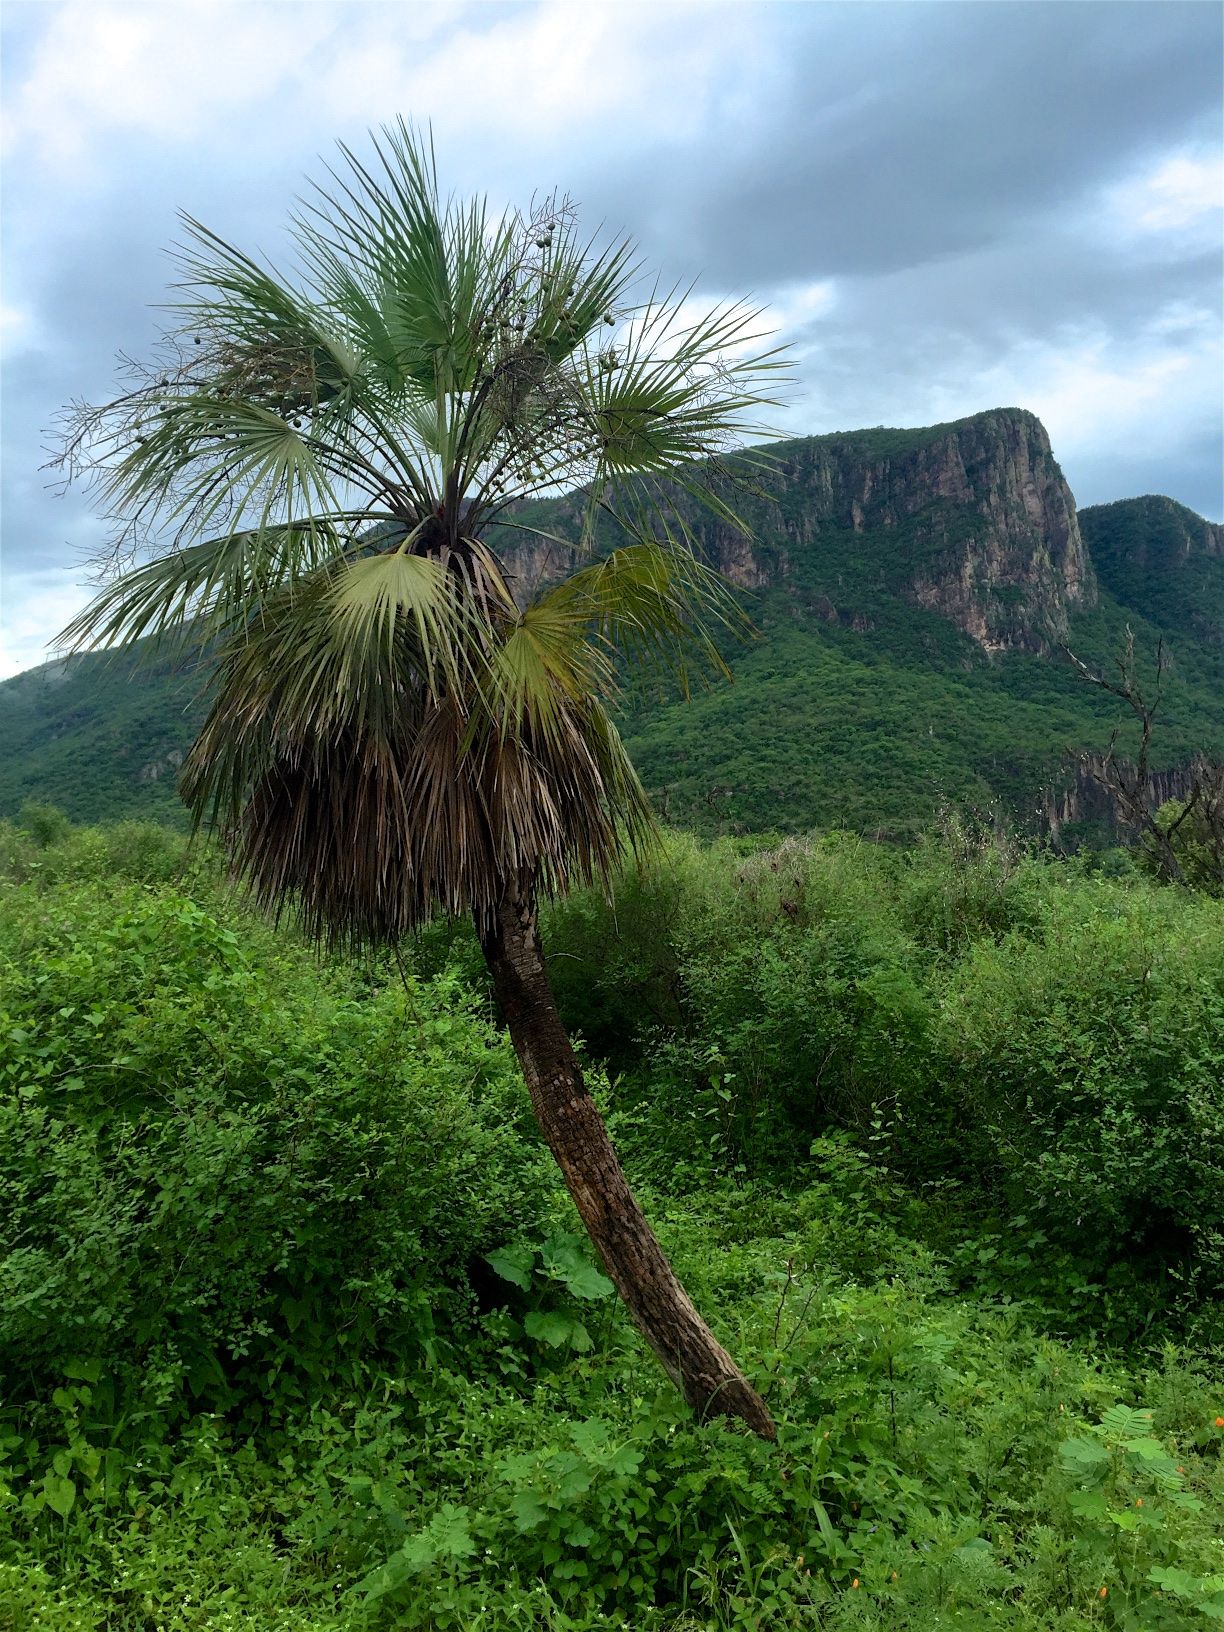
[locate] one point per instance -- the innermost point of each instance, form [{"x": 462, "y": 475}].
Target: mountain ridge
[{"x": 914, "y": 591}]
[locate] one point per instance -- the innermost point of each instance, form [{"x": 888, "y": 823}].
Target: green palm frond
[
  {"x": 545, "y": 667},
  {"x": 656, "y": 604},
  {"x": 369, "y": 601},
  {"x": 310, "y": 468},
  {"x": 196, "y": 593}
]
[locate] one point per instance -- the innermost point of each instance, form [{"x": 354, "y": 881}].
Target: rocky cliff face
[
  {"x": 1019, "y": 566},
  {"x": 1081, "y": 797},
  {"x": 971, "y": 520}
]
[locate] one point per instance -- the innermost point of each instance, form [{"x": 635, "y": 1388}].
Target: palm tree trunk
[{"x": 574, "y": 1130}]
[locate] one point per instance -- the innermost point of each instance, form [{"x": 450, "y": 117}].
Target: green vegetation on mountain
[
  {"x": 873, "y": 731},
  {"x": 856, "y": 707},
  {"x": 1163, "y": 563},
  {"x": 101, "y": 737}
]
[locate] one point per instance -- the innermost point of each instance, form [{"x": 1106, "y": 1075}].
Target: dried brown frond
[{"x": 366, "y": 786}]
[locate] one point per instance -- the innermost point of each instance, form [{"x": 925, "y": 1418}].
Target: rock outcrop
[{"x": 971, "y": 520}]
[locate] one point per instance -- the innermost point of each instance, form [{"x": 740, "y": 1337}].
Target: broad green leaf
[
  {"x": 580, "y": 1339},
  {"x": 513, "y": 1264},
  {"x": 565, "y": 1261},
  {"x": 1089, "y": 1504},
  {"x": 85, "y": 1371},
  {"x": 60, "y": 1493},
  {"x": 1083, "y": 1455},
  {"x": 1124, "y": 1422},
  {"x": 585, "y": 1281},
  {"x": 624, "y": 1461},
  {"x": 529, "y": 1512},
  {"x": 549, "y": 1326},
  {"x": 1171, "y": 1579}
]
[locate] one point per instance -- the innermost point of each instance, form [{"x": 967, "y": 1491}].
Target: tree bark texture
[{"x": 575, "y": 1132}]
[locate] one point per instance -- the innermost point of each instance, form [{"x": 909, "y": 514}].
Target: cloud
[
  {"x": 945, "y": 206},
  {"x": 173, "y": 73},
  {"x": 1180, "y": 197},
  {"x": 37, "y": 606}
]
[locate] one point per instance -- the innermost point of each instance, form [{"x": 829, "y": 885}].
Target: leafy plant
[{"x": 557, "y": 1264}]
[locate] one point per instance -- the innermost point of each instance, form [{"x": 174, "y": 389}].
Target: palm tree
[{"x": 306, "y": 485}]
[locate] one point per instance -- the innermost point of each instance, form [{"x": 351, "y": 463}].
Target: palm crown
[{"x": 312, "y": 473}]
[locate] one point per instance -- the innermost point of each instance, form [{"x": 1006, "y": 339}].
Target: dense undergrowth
[{"x": 296, "y": 1330}]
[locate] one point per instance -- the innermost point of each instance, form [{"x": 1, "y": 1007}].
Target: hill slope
[{"x": 913, "y": 591}]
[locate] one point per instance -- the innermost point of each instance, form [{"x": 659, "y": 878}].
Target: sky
[{"x": 944, "y": 207}]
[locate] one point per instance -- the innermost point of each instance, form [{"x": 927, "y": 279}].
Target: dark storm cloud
[{"x": 904, "y": 134}]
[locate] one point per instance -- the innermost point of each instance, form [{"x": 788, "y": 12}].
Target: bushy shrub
[
  {"x": 614, "y": 957},
  {"x": 966, "y": 881},
  {"x": 1195, "y": 836},
  {"x": 805, "y": 1028},
  {"x": 1050, "y": 1039},
  {"x": 52, "y": 851},
  {"x": 750, "y": 999},
  {"x": 223, "y": 1166},
  {"x": 1088, "y": 1067},
  {"x": 45, "y": 824}
]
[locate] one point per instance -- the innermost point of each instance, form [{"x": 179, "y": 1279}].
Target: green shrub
[
  {"x": 45, "y": 824},
  {"x": 772, "y": 994},
  {"x": 295, "y": 1335},
  {"x": 1088, "y": 1066},
  {"x": 967, "y": 882},
  {"x": 225, "y": 1169},
  {"x": 1196, "y": 836},
  {"x": 133, "y": 851}
]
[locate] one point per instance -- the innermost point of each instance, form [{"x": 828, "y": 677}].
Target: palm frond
[
  {"x": 313, "y": 468},
  {"x": 370, "y": 602},
  {"x": 366, "y": 820},
  {"x": 191, "y": 596}
]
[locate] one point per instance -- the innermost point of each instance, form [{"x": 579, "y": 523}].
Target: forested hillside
[{"x": 912, "y": 593}]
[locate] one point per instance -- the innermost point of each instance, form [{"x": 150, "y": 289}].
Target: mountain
[
  {"x": 914, "y": 592},
  {"x": 101, "y": 736},
  {"x": 1161, "y": 561},
  {"x": 972, "y": 521}
]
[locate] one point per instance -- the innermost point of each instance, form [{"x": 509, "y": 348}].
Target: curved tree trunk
[{"x": 661, "y": 1309}]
